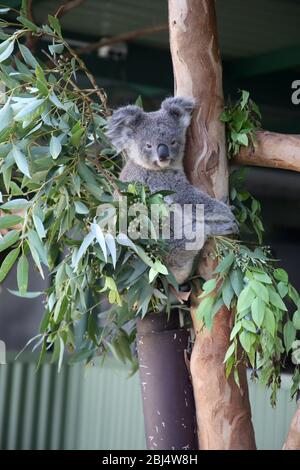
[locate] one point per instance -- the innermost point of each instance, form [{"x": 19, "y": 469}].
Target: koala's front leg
[
  {"x": 181, "y": 261},
  {"x": 218, "y": 217},
  {"x": 219, "y": 220}
]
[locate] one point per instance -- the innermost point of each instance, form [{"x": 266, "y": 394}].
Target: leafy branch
[
  {"x": 59, "y": 189},
  {"x": 247, "y": 280}
]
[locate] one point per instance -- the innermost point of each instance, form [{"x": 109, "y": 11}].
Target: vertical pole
[
  {"x": 166, "y": 387},
  {"x": 293, "y": 438}
]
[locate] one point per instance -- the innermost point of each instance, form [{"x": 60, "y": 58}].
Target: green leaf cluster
[
  {"x": 247, "y": 209},
  {"x": 241, "y": 120},
  {"x": 58, "y": 173},
  {"x": 248, "y": 282}
]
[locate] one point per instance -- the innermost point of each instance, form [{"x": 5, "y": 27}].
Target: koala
[{"x": 154, "y": 143}]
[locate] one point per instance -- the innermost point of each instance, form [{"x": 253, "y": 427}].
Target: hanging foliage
[
  {"x": 59, "y": 187},
  {"x": 248, "y": 280}
]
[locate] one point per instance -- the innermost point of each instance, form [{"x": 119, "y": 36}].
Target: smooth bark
[
  {"x": 293, "y": 439},
  {"x": 223, "y": 410},
  {"x": 272, "y": 150}
]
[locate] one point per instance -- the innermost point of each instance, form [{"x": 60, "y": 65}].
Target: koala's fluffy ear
[
  {"x": 122, "y": 124},
  {"x": 179, "y": 107}
]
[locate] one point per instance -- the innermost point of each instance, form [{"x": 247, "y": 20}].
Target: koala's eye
[
  {"x": 173, "y": 142},
  {"x": 148, "y": 146}
]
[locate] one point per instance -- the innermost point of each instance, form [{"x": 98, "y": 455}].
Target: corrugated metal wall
[
  {"x": 271, "y": 424},
  {"x": 92, "y": 408},
  {"x": 98, "y": 408}
]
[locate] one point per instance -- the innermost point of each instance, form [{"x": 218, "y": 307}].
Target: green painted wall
[{"x": 98, "y": 408}]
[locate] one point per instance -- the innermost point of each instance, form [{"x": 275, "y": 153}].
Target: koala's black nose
[{"x": 163, "y": 152}]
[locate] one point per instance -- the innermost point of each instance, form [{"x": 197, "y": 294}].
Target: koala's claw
[
  {"x": 230, "y": 228},
  {"x": 224, "y": 227}
]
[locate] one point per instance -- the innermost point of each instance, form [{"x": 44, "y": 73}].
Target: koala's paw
[
  {"x": 180, "y": 262},
  {"x": 231, "y": 227},
  {"x": 223, "y": 224}
]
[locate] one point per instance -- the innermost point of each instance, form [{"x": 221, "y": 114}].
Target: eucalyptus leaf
[
  {"x": 296, "y": 320},
  {"x": 6, "y": 49},
  {"x": 152, "y": 274},
  {"x": 9, "y": 239},
  {"x": 29, "y": 109},
  {"x": 39, "y": 226},
  {"x": 246, "y": 339},
  {"x": 269, "y": 321},
  {"x": 16, "y": 204},
  {"x": 281, "y": 275},
  {"x": 6, "y": 115},
  {"x": 227, "y": 292},
  {"x": 7, "y": 221},
  {"x": 81, "y": 208},
  {"x": 245, "y": 299},
  {"x": 56, "y": 48},
  {"x": 8, "y": 263},
  {"x": 160, "y": 268},
  {"x": 36, "y": 243},
  {"x": 55, "y": 147},
  {"x": 260, "y": 290},
  {"x": 111, "y": 247},
  {"x": 98, "y": 234},
  {"x": 225, "y": 264},
  {"x": 229, "y": 352},
  {"x": 258, "y": 308},
  {"x": 21, "y": 161},
  {"x": 235, "y": 330},
  {"x": 289, "y": 335},
  {"x": 87, "y": 241},
  {"x": 276, "y": 300},
  {"x": 209, "y": 286},
  {"x": 22, "y": 274},
  {"x": 36, "y": 259},
  {"x": 236, "y": 279}
]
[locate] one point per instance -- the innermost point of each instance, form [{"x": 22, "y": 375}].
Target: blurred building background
[{"x": 260, "y": 48}]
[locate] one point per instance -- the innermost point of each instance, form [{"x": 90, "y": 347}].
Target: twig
[
  {"x": 104, "y": 173},
  {"x": 99, "y": 92},
  {"x": 32, "y": 40},
  {"x": 122, "y": 38},
  {"x": 66, "y": 7},
  {"x": 76, "y": 87}
]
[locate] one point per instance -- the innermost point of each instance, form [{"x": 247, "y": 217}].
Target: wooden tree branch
[
  {"x": 198, "y": 73},
  {"x": 31, "y": 41},
  {"x": 272, "y": 150},
  {"x": 223, "y": 410},
  {"x": 29, "y": 10},
  {"x": 293, "y": 439},
  {"x": 124, "y": 37}
]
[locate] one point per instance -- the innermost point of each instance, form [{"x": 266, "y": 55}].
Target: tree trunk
[
  {"x": 293, "y": 439},
  {"x": 272, "y": 150},
  {"x": 223, "y": 410}
]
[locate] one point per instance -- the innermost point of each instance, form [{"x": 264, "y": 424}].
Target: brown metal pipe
[{"x": 167, "y": 394}]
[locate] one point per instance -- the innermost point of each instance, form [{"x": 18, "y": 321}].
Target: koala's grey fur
[{"x": 140, "y": 134}]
